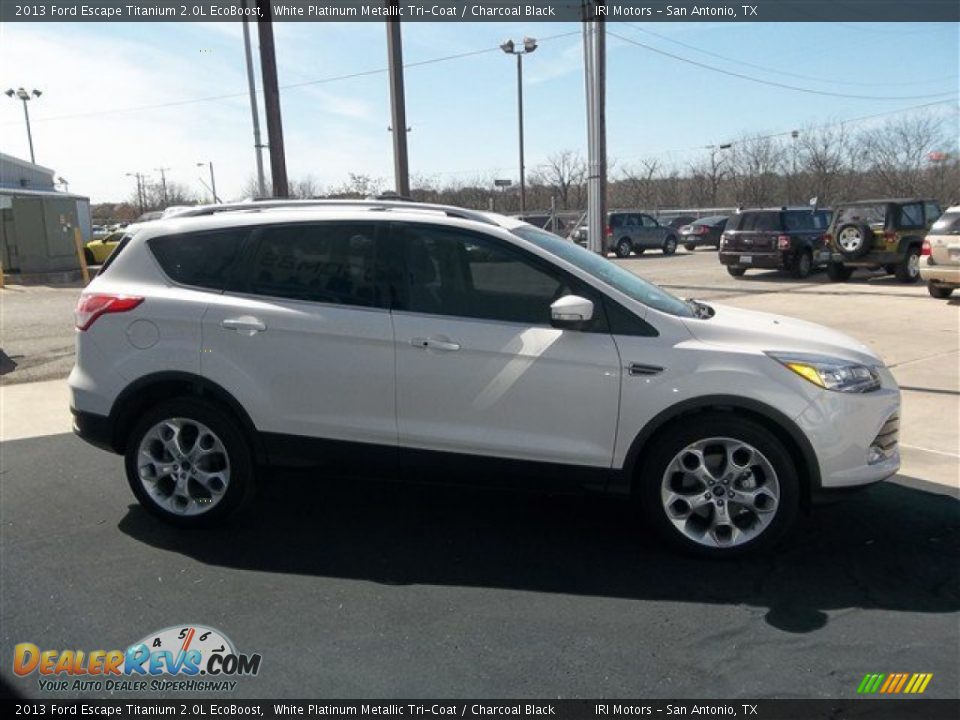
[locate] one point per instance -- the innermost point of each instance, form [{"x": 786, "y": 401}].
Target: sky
[{"x": 98, "y": 119}]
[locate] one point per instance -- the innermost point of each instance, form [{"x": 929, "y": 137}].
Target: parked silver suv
[{"x": 632, "y": 232}]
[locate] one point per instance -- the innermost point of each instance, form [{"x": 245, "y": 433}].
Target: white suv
[{"x": 433, "y": 342}]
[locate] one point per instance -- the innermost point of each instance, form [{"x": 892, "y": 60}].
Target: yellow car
[{"x": 97, "y": 251}]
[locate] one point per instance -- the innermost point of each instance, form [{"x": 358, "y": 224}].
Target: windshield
[{"x": 606, "y": 271}]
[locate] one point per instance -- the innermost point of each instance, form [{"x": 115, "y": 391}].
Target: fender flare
[{"x": 786, "y": 429}]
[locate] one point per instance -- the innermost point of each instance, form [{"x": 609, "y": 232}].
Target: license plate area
[{"x": 746, "y": 259}]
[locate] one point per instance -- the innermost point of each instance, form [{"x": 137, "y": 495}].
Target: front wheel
[
  {"x": 939, "y": 291},
  {"x": 623, "y": 248},
  {"x": 719, "y": 486},
  {"x": 670, "y": 245},
  {"x": 908, "y": 271},
  {"x": 188, "y": 463},
  {"x": 803, "y": 265},
  {"x": 838, "y": 272}
]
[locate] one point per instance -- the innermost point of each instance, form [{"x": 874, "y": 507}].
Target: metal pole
[
  {"x": 523, "y": 183},
  {"x": 271, "y": 100},
  {"x": 600, "y": 67},
  {"x": 213, "y": 183},
  {"x": 594, "y": 217},
  {"x": 26, "y": 116},
  {"x": 401, "y": 170},
  {"x": 163, "y": 183},
  {"x": 251, "y": 82}
]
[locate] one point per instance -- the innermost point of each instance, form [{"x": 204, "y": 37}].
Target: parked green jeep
[{"x": 878, "y": 234}]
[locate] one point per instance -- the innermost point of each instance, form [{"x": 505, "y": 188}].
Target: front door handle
[
  {"x": 245, "y": 325},
  {"x": 435, "y": 344}
]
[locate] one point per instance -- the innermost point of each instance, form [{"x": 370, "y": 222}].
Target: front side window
[
  {"x": 649, "y": 222},
  {"x": 203, "y": 259},
  {"x": 449, "y": 272},
  {"x": 607, "y": 272},
  {"x": 321, "y": 262}
]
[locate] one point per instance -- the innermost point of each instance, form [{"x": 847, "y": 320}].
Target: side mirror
[{"x": 571, "y": 312}]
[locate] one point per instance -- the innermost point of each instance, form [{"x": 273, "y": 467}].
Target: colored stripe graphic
[{"x": 894, "y": 683}]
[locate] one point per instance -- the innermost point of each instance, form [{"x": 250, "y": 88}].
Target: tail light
[
  {"x": 926, "y": 250},
  {"x": 827, "y": 237},
  {"x": 90, "y": 307},
  {"x": 699, "y": 229},
  {"x": 889, "y": 235},
  {"x": 609, "y": 231},
  {"x": 783, "y": 242}
]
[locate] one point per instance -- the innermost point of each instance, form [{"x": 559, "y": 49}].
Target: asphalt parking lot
[{"x": 377, "y": 589}]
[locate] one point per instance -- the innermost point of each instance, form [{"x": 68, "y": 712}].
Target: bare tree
[
  {"x": 641, "y": 182},
  {"x": 897, "y": 153},
  {"x": 756, "y": 168},
  {"x": 706, "y": 177},
  {"x": 563, "y": 174}
]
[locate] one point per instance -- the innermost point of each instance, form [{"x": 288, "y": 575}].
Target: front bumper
[{"x": 855, "y": 435}]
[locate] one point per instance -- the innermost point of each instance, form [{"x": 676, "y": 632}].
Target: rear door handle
[
  {"x": 245, "y": 325},
  {"x": 435, "y": 344}
]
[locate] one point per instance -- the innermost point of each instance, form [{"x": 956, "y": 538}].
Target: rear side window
[
  {"x": 798, "y": 220},
  {"x": 911, "y": 216},
  {"x": 199, "y": 259},
  {"x": 756, "y": 221},
  {"x": 322, "y": 262},
  {"x": 948, "y": 224},
  {"x": 861, "y": 215}
]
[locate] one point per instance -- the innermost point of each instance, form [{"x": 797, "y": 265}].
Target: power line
[
  {"x": 773, "y": 83},
  {"x": 290, "y": 86},
  {"x": 782, "y": 72}
]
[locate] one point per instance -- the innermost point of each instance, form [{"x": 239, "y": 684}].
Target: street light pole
[
  {"x": 510, "y": 48},
  {"x": 24, "y": 96},
  {"x": 213, "y": 180},
  {"x": 254, "y": 111}
]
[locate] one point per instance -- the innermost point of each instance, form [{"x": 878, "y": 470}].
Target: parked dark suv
[
  {"x": 875, "y": 234},
  {"x": 788, "y": 239}
]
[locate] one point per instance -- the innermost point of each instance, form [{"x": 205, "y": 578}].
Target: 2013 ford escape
[{"x": 429, "y": 341}]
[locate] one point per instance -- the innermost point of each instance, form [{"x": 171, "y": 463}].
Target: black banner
[
  {"x": 480, "y": 11},
  {"x": 874, "y": 709}
]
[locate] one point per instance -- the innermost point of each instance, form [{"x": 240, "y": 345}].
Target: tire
[
  {"x": 939, "y": 291},
  {"x": 908, "y": 270},
  {"x": 729, "y": 458},
  {"x": 803, "y": 265},
  {"x": 838, "y": 272},
  {"x": 225, "y": 460},
  {"x": 624, "y": 247},
  {"x": 690, "y": 247},
  {"x": 890, "y": 269},
  {"x": 88, "y": 257},
  {"x": 854, "y": 240},
  {"x": 670, "y": 245},
  {"x": 736, "y": 271}
]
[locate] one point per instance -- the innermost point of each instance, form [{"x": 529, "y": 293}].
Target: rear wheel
[
  {"x": 690, "y": 247},
  {"x": 736, "y": 271},
  {"x": 670, "y": 245},
  {"x": 623, "y": 248},
  {"x": 939, "y": 291},
  {"x": 838, "y": 272},
  {"x": 908, "y": 271},
  {"x": 188, "y": 463},
  {"x": 720, "y": 486},
  {"x": 803, "y": 265}
]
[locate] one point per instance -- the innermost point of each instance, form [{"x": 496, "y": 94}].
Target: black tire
[
  {"x": 802, "y": 265},
  {"x": 670, "y": 245},
  {"x": 236, "y": 450},
  {"x": 88, "y": 257},
  {"x": 890, "y": 269},
  {"x": 908, "y": 269},
  {"x": 690, "y": 247},
  {"x": 674, "y": 438},
  {"x": 849, "y": 233},
  {"x": 736, "y": 271},
  {"x": 838, "y": 272},
  {"x": 939, "y": 291},
  {"x": 624, "y": 247}
]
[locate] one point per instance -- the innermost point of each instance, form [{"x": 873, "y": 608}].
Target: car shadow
[{"x": 890, "y": 547}]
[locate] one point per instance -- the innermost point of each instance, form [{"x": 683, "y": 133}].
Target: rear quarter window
[{"x": 199, "y": 259}]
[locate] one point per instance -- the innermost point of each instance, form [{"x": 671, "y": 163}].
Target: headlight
[{"x": 830, "y": 373}]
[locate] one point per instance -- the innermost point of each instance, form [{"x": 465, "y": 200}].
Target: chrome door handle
[
  {"x": 435, "y": 344},
  {"x": 245, "y": 325}
]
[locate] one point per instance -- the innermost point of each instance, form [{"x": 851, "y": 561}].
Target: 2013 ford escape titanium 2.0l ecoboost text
[{"x": 428, "y": 341}]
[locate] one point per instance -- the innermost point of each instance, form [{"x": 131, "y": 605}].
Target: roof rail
[{"x": 382, "y": 205}]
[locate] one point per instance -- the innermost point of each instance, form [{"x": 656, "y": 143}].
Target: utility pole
[
  {"x": 257, "y": 144},
  {"x": 271, "y": 100},
  {"x": 140, "y": 193},
  {"x": 594, "y": 46},
  {"x": 213, "y": 180},
  {"x": 398, "y": 104},
  {"x": 163, "y": 183}
]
